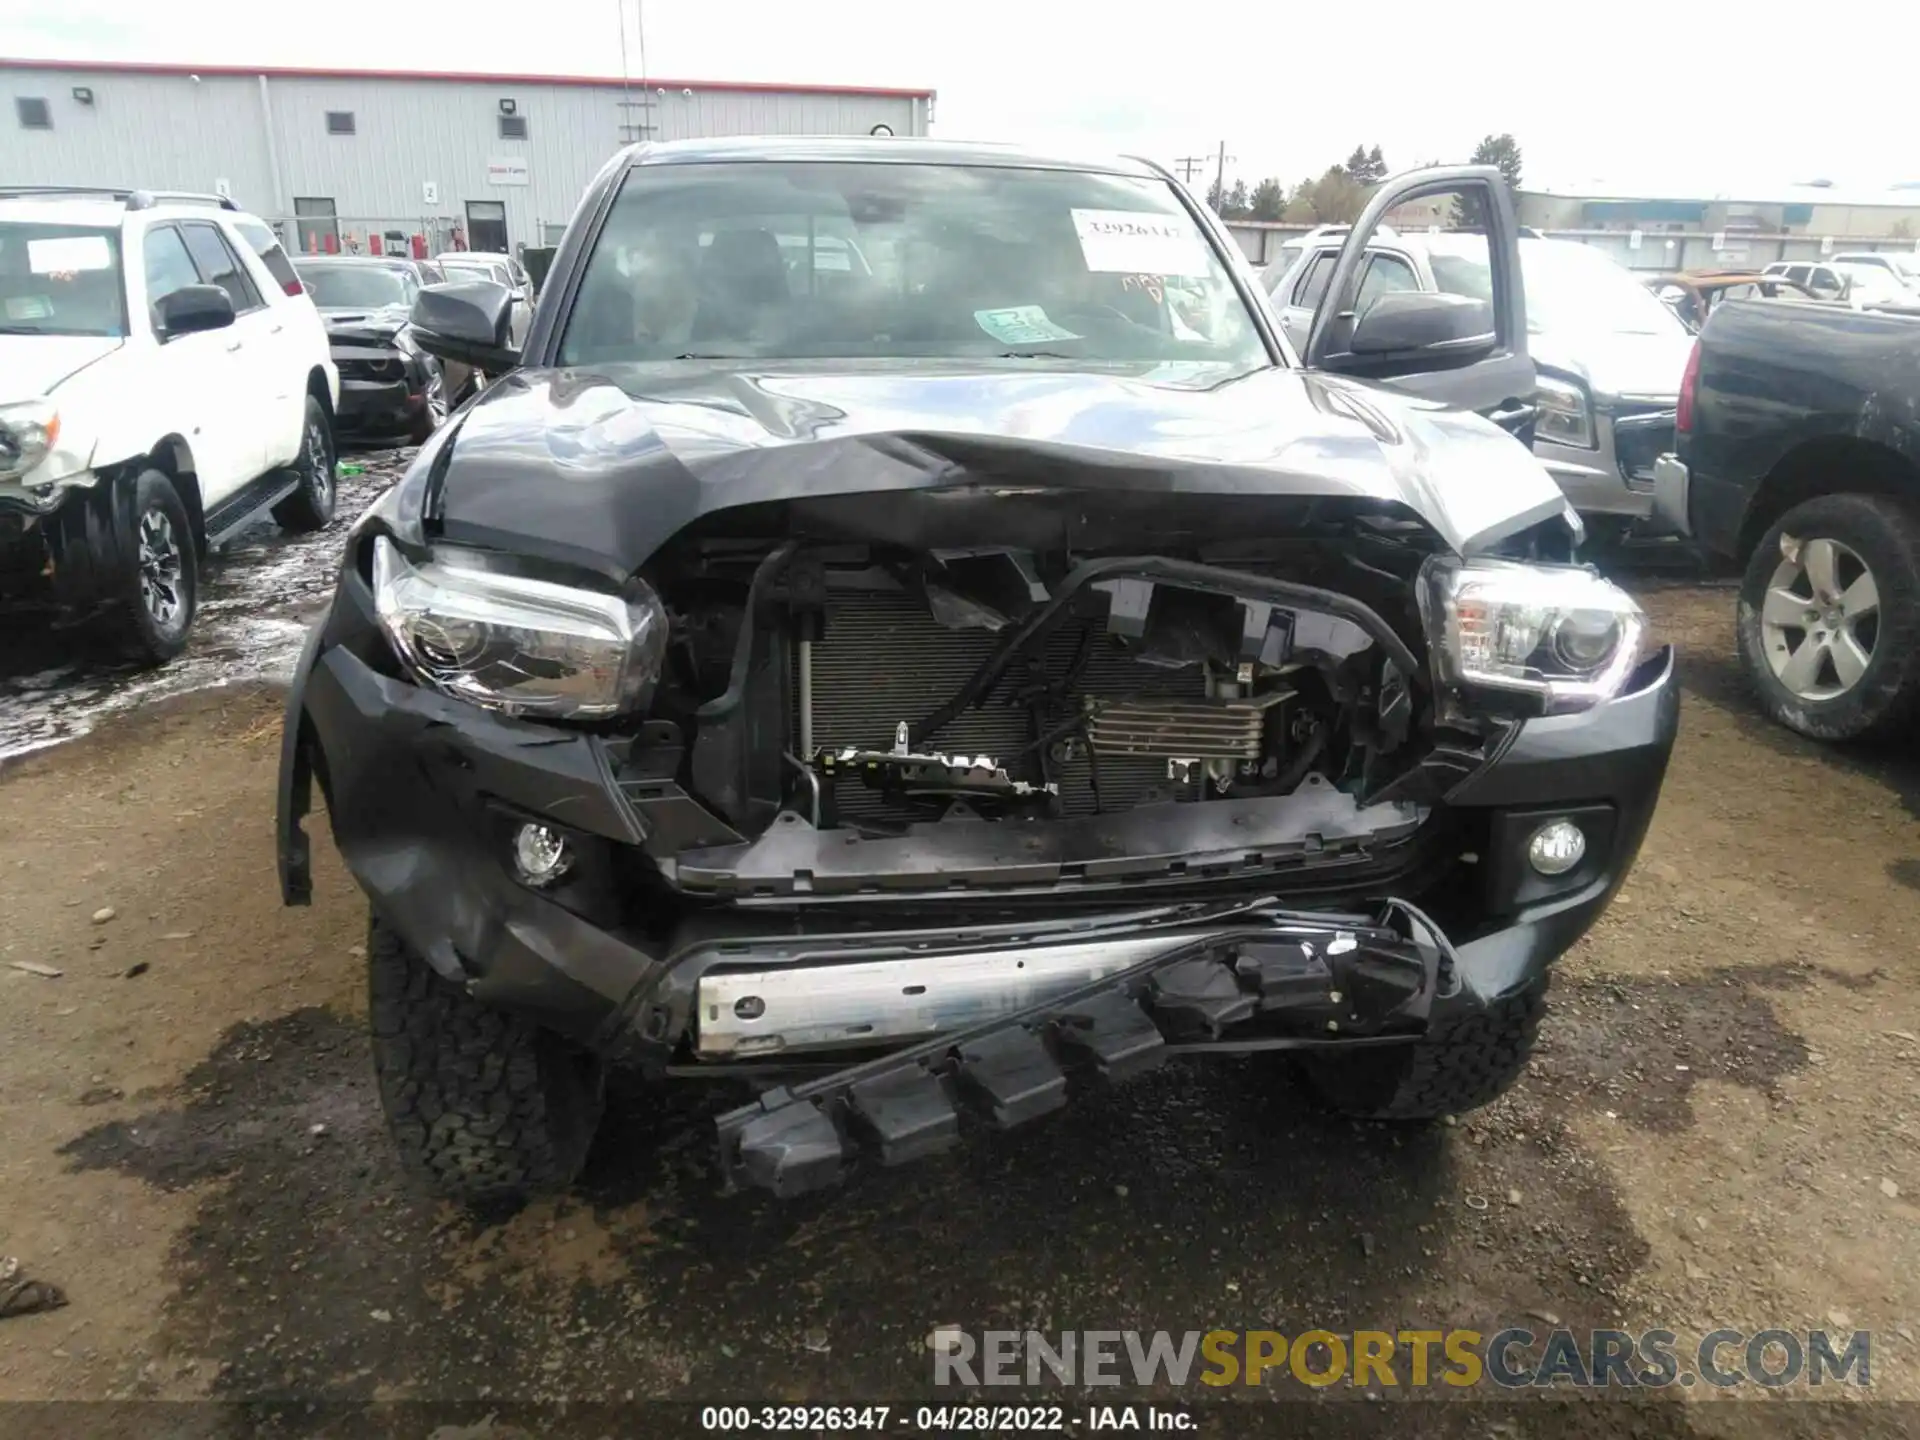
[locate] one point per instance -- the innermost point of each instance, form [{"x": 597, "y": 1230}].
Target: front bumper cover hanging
[{"x": 1281, "y": 980}]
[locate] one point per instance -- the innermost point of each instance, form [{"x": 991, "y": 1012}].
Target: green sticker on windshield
[{"x": 1021, "y": 325}]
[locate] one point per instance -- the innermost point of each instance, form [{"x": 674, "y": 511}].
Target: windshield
[
  {"x": 1571, "y": 288},
  {"x": 469, "y": 270},
  {"x": 353, "y": 287},
  {"x": 940, "y": 261},
  {"x": 60, "y": 280}
]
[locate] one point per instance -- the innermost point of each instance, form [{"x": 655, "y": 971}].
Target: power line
[{"x": 1189, "y": 166}]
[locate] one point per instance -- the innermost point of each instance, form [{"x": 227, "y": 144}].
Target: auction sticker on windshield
[
  {"x": 1021, "y": 325},
  {"x": 72, "y": 252},
  {"x": 1140, "y": 242}
]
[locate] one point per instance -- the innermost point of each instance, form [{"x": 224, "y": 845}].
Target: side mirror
[
  {"x": 468, "y": 322},
  {"x": 1420, "y": 322},
  {"x": 191, "y": 309}
]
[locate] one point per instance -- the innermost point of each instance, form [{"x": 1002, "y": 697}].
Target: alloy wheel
[
  {"x": 161, "y": 568},
  {"x": 1820, "y": 618}
]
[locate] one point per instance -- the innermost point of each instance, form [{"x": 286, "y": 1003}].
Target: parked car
[
  {"x": 1608, "y": 354},
  {"x": 499, "y": 270},
  {"x": 1692, "y": 294},
  {"x": 1863, "y": 281},
  {"x": 951, "y": 692},
  {"x": 1799, "y": 460},
  {"x": 160, "y": 387},
  {"x": 388, "y": 384},
  {"x": 1903, "y": 267}
]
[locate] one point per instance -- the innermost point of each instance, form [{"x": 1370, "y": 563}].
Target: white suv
[{"x": 163, "y": 380}]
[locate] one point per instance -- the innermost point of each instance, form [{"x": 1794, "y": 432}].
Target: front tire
[
  {"x": 310, "y": 506},
  {"x": 1465, "y": 1060},
  {"x": 485, "y": 1107},
  {"x": 1829, "y": 626},
  {"x": 160, "y": 572}
]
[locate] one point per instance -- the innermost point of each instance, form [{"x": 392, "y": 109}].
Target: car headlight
[
  {"x": 519, "y": 645},
  {"x": 28, "y": 430},
  {"x": 1565, "y": 413},
  {"x": 1561, "y": 635}
]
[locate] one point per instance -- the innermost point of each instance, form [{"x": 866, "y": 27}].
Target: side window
[
  {"x": 1799, "y": 272},
  {"x": 218, "y": 265},
  {"x": 266, "y": 245},
  {"x": 1384, "y": 274},
  {"x": 1313, "y": 285},
  {"x": 168, "y": 266}
]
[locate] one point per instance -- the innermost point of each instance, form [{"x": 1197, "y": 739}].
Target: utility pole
[
  {"x": 1189, "y": 166},
  {"x": 1220, "y": 175}
]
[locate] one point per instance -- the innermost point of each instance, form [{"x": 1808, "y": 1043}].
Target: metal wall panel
[{"x": 168, "y": 131}]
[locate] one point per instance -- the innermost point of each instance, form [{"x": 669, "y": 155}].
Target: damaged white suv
[{"x": 162, "y": 383}]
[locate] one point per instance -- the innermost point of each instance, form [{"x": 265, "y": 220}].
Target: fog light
[
  {"x": 540, "y": 856},
  {"x": 1556, "y": 847}
]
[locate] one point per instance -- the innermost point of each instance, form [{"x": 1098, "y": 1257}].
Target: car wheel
[
  {"x": 434, "y": 413},
  {"x": 1465, "y": 1060},
  {"x": 161, "y": 575},
  {"x": 485, "y": 1107},
  {"x": 1829, "y": 618},
  {"x": 310, "y": 506}
]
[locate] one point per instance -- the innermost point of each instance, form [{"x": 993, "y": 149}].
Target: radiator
[{"x": 884, "y": 659}]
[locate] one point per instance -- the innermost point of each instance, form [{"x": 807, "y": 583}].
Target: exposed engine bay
[{"x": 869, "y": 690}]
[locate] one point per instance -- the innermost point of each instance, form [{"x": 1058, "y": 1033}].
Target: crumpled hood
[
  {"x": 32, "y": 365},
  {"x": 1616, "y": 363},
  {"x": 600, "y": 468},
  {"x": 361, "y": 323}
]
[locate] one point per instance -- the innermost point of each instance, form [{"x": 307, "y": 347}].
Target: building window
[
  {"x": 33, "y": 112},
  {"x": 319, "y": 227},
  {"x": 513, "y": 127},
  {"x": 339, "y": 122}
]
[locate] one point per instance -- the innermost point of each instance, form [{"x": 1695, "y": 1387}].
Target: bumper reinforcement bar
[{"x": 1282, "y": 980}]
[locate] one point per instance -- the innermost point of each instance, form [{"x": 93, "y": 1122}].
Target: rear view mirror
[
  {"x": 468, "y": 322},
  {"x": 191, "y": 309},
  {"x": 1414, "y": 322}
]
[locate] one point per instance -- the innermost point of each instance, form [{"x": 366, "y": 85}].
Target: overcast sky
[{"x": 1675, "y": 95}]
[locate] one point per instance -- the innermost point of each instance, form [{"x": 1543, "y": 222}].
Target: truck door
[{"x": 1467, "y": 351}]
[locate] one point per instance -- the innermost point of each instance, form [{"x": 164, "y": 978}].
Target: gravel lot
[{"x": 1721, "y": 1127}]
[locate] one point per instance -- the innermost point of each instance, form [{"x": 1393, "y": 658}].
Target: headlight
[
  {"x": 28, "y": 430},
  {"x": 523, "y": 646},
  {"x": 1563, "y": 635},
  {"x": 1566, "y": 414}
]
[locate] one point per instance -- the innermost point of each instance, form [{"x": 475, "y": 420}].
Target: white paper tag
[
  {"x": 1140, "y": 242},
  {"x": 69, "y": 252}
]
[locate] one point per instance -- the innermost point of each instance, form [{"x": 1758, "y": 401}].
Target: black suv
[{"x": 908, "y": 633}]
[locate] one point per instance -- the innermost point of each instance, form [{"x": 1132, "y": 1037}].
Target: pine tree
[{"x": 1269, "y": 200}]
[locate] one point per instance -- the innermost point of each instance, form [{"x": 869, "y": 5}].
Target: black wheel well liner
[{"x": 1827, "y": 465}]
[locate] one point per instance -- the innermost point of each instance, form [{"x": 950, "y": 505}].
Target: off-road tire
[
  {"x": 1466, "y": 1060},
  {"x": 310, "y": 507},
  {"x": 485, "y": 1107},
  {"x": 133, "y": 626},
  {"x": 1885, "y": 701}
]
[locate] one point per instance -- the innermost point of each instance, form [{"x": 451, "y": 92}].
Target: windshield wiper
[{"x": 1037, "y": 355}]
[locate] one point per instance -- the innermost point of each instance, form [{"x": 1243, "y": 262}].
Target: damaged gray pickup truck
[{"x": 908, "y": 633}]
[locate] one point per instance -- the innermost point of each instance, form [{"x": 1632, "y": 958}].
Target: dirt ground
[{"x": 1722, "y": 1128}]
